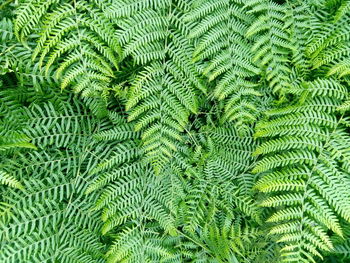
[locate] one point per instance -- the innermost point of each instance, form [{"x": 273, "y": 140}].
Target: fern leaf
[{"x": 307, "y": 181}]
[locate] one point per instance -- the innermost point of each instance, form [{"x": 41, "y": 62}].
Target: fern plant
[
  {"x": 39, "y": 222},
  {"x": 77, "y": 30},
  {"x": 164, "y": 92},
  {"x": 305, "y": 169},
  {"x": 174, "y": 131},
  {"x": 219, "y": 31},
  {"x": 137, "y": 207},
  {"x": 272, "y": 47}
]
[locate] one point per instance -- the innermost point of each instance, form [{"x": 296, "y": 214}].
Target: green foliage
[
  {"x": 222, "y": 179},
  {"x": 51, "y": 214},
  {"x": 75, "y": 34},
  {"x": 223, "y": 239},
  {"x": 174, "y": 131},
  {"x": 132, "y": 199},
  {"x": 272, "y": 45},
  {"x": 164, "y": 91},
  {"x": 305, "y": 169},
  {"x": 219, "y": 32},
  {"x": 9, "y": 180}
]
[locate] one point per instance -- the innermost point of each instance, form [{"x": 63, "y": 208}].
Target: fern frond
[
  {"x": 9, "y": 180},
  {"x": 227, "y": 240},
  {"x": 141, "y": 243},
  {"x": 303, "y": 173},
  {"x": 298, "y": 20},
  {"x": 330, "y": 45},
  {"x": 41, "y": 222},
  {"x": 220, "y": 27},
  {"x": 131, "y": 196},
  {"x": 50, "y": 127},
  {"x": 272, "y": 42},
  {"x": 223, "y": 180},
  {"x": 342, "y": 11},
  {"x": 164, "y": 92},
  {"x": 76, "y": 35}
]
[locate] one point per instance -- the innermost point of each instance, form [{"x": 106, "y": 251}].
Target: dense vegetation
[{"x": 146, "y": 131}]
